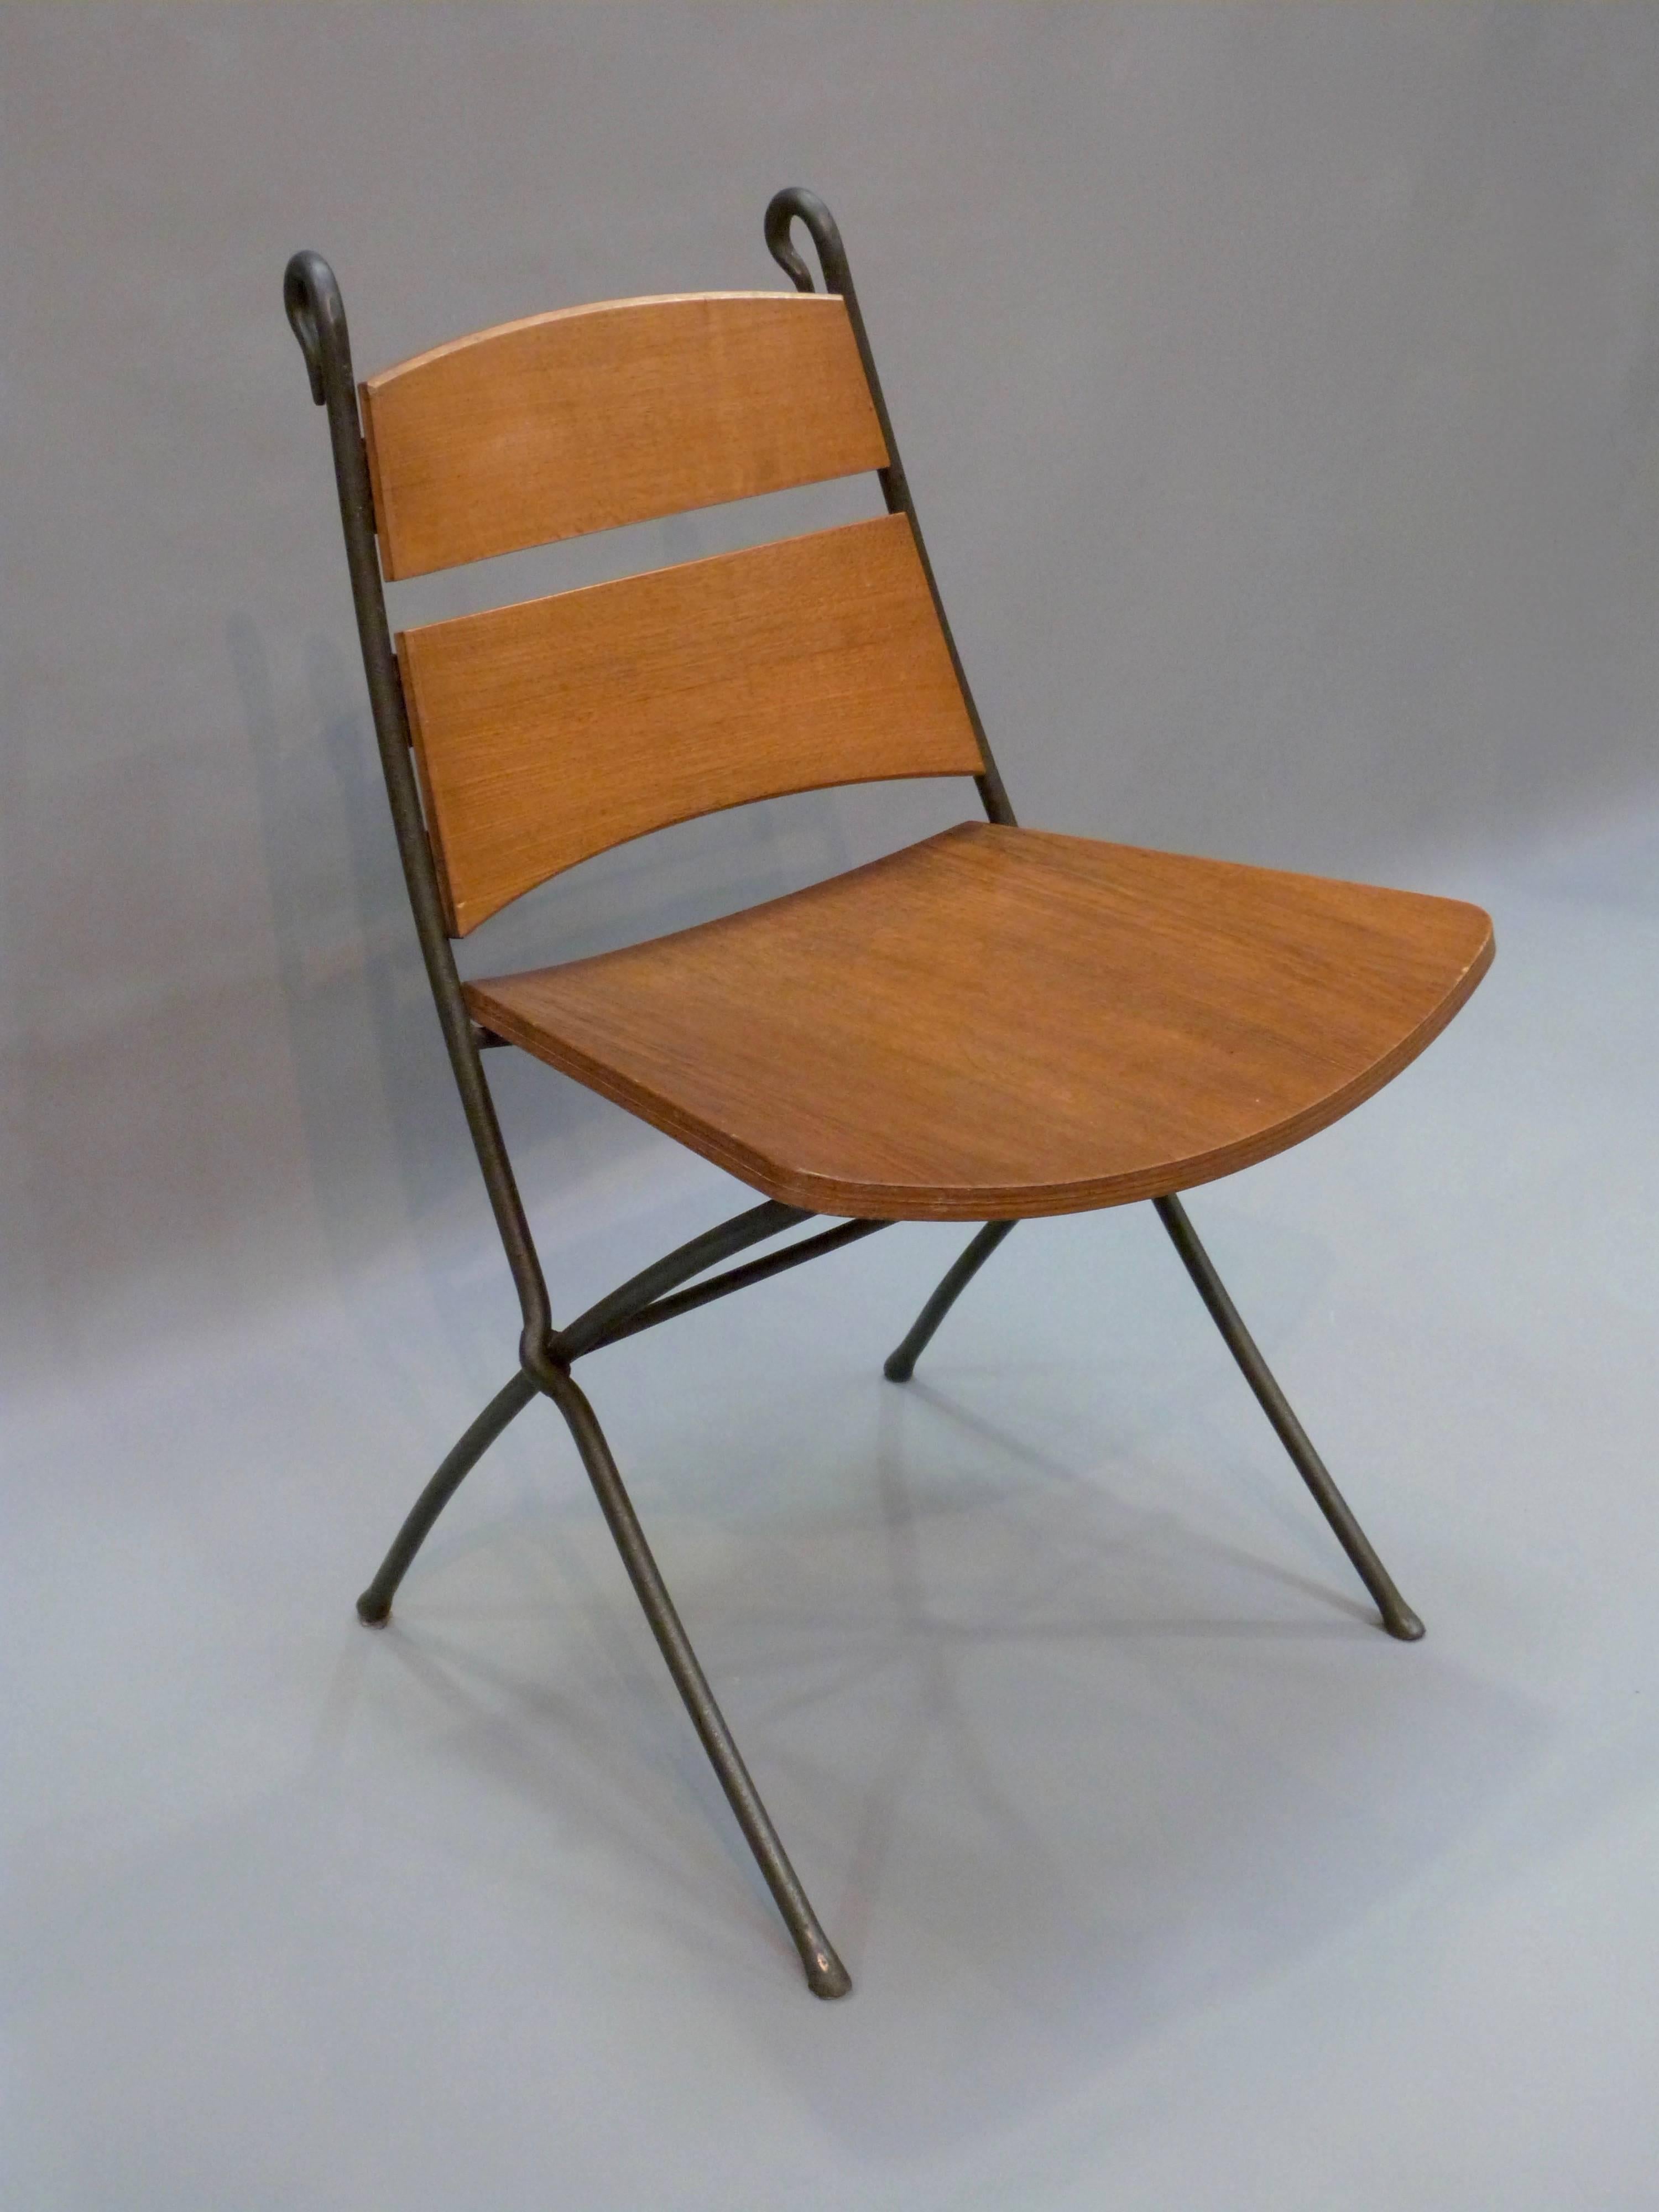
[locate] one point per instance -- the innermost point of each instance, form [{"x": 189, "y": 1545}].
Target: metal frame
[{"x": 546, "y": 1353}]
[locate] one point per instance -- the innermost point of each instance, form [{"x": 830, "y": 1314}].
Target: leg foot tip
[
  {"x": 897, "y": 1368},
  {"x": 376, "y": 1611},
  {"x": 1404, "y": 1625},
  {"x": 826, "y": 1976}
]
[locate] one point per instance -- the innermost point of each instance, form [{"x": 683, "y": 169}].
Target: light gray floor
[{"x": 1165, "y": 1878}]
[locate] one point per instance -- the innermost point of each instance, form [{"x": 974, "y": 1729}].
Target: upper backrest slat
[
  {"x": 591, "y": 418},
  {"x": 548, "y": 731}
]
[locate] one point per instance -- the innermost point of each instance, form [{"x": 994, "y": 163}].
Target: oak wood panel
[
  {"x": 594, "y": 417},
  {"x": 548, "y": 731},
  {"x": 1001, "y": 1022}
]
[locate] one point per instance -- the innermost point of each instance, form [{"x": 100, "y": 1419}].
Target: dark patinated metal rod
[
  {"x": 706, "y": 1251},
  {"x": 315, "y": 311},
  {"x": 826, "y": 1976},
  {"x": 736, "y": 1279},
  {"x": 795, "y": 203},
  {"x": 374, "y": 1606},
  {"x": 1397, "y": 1616},
  {"x": 901, "y": 1365}
]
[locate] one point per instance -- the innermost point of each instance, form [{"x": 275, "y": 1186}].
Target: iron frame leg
[
  {"x": 826, "y": 1976},
  {"x": 901, "y": 1365},
  {"x": 645, "y": 1299},
  {"x": 374, "y": 1606},
  {"x": 1397, "y": 1616}
]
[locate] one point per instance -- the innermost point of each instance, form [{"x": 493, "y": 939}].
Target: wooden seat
[
  {"x": 999, "y": 1021},
  {"x": 1002, "y": 1022}
]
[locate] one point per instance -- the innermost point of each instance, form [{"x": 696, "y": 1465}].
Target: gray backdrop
[
  {"x": 1279, "y": 389},
  {"x": 1278, "y": 385}
]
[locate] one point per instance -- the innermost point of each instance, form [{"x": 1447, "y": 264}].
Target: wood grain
[
  {"x": 548, "y": 731},
  {"x": 594, "y": 417},
  {"x": 1001, "y": 1022}
]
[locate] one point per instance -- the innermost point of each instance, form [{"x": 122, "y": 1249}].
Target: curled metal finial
[
  {"x": 794, "y": 200},
  {"x": 311, "y": 297}
]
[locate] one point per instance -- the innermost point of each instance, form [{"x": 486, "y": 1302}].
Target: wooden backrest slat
[
  {"x": 550, "y": 731},
  {"x": 591, "y": 418}
]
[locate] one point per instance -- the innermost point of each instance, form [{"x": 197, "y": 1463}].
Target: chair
[{"x": 993, "y": 1024}]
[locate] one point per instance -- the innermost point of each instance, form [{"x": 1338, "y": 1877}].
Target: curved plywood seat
[{"x": 1000, "y": 1023}]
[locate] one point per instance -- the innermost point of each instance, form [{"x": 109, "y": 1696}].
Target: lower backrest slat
[{"x": 548, "y": 731}]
